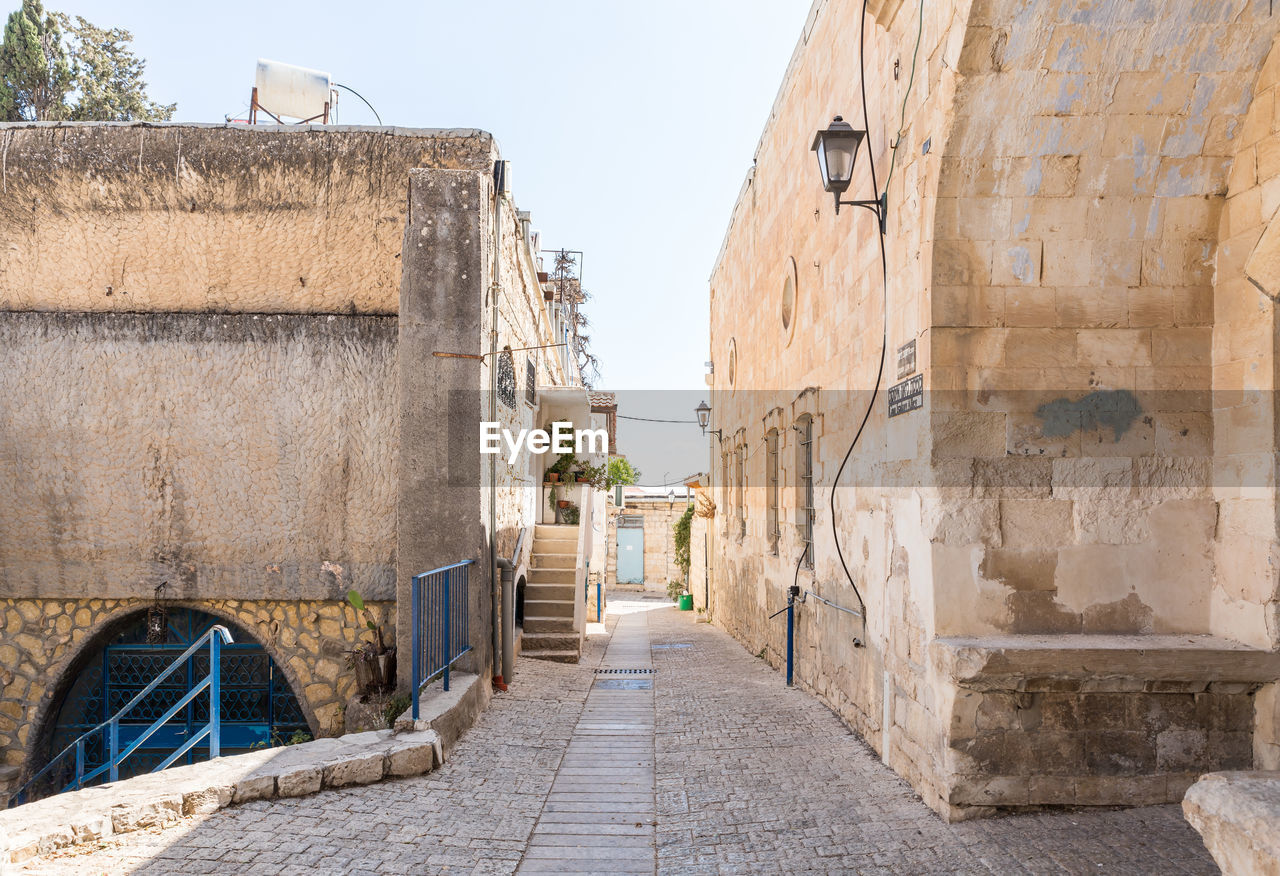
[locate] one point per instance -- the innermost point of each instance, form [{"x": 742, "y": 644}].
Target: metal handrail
[
  {"x": 215, "y": 638},
  {"x": 441, "y": 625}
]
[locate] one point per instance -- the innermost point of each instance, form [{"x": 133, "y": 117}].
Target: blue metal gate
[
  {"x": 630, "y": 550},
  {"x": 258, "y": 706}
]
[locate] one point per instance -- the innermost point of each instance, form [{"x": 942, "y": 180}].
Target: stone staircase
[{"x": 549, "y": 594}]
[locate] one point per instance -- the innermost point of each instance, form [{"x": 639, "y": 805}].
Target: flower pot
[
  {"x": 364, "y": 673},
  {"x": 385, "y": 669},
  {"x": 562, "y": 503},
  {"x": 553, "y": 477}
]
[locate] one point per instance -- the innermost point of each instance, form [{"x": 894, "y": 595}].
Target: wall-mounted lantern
[
  {"x": 704, "y": 419},
  {"x": 837, "y": 149},
  {"x": 158, "y": 618}
]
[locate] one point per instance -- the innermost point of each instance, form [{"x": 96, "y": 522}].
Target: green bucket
[{"x": 686, "y": 602}]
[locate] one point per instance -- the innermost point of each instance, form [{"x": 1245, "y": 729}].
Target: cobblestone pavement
[{"x": 750, "y": 778}]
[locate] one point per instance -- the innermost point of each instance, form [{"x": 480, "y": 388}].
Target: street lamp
[
  {"x": 837, "y": 149},
  {"x": 704, "y": 419}
]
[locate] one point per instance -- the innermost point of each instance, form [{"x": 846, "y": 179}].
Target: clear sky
[{"x": 630, "y": 125}]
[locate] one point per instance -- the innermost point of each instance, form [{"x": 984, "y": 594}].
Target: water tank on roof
[{"x": 295, "y": 92}]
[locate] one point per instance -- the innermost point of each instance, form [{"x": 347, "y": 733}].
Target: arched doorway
[{"x": 259, "y": 708}]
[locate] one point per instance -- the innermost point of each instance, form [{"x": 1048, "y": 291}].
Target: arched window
[
  {"x": 507, "y": 378},
  {"x": 804, "y": 486},
  {"x": 258, "y": 705}
]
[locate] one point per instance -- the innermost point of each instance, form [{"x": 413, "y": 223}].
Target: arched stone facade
[{"x": 46, "y": 640}]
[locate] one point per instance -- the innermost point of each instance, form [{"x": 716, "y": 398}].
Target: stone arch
[
  {"x": 1246, "y": 336},
  {"x": 65, "y": 671}
]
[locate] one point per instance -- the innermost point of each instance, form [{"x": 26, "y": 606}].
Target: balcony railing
[{"x": 441, "y": 624}]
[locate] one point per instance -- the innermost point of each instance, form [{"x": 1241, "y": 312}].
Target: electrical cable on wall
[
  {"x": 902, "y": 119},
  {"x": 361, "y": 96},
  {"x": 884, "y": 314}
]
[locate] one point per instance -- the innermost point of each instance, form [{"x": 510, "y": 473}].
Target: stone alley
[{"x": 727, "y": 771}]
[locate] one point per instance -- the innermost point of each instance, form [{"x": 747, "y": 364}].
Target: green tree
[
  {"x": 34, "y": 73},
  {"x": 683, "y": 533},
  {"x": 46, "y": 58},
  {"x": 108, "y": 76},
  {"x": 622, "y": 472}
]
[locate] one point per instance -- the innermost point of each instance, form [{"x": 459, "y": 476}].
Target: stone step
[
  {"x": 549, "y": 642},
  {"x": 555, "y": 561},
  {"x": 545, "y": 624},
  {"x": 551, "y": 576},
  {"x": 559, "y": 656},
  {"x": 555, "y": 532},
  {"x": 548, "y": 608},
  {"x": 536, "y": 592}
]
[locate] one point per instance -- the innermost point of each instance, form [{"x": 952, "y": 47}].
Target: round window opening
[{"x": 788, "y": 300}]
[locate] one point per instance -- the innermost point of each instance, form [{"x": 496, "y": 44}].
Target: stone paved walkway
[{"x": 744, "y": 775}]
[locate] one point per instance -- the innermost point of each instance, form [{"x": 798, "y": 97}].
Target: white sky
[{"x": 630, "y": 125}]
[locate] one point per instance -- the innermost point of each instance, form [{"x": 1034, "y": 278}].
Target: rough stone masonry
[{"x": 201, "y": 355}]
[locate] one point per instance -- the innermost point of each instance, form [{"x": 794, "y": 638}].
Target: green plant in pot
[
  {"x": 570, "y": 514},
  {"x": 373, "y": 661}
]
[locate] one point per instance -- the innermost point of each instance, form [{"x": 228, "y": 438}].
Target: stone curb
[{"x": 162, "y": 798}]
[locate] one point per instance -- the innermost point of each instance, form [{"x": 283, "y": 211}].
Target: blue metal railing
[
  {"x": 441, "y": 624},
  {"x": 214, "y": 639}
]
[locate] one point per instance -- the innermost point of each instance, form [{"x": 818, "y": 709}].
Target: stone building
[
  {"x": 1050, "y": 572},
  {"x": 642, "y": 540},
  {"x": 218, "y": 363}
]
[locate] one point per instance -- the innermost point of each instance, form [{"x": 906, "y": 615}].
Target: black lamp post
[{"x": 837, "y": 149}]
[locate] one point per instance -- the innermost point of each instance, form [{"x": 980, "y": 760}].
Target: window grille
[
  {"x": 726, "y": 503},
  {"x": 742, "y": 491},
  {"x": 804, "y": 484},
  {"x": 507, "y": 379},
  {"x": 772, "y": 486}
]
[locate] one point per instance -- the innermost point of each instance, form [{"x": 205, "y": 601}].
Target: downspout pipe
[
  {"x": 508, "y": 570},
  {"x": 495, "y": 595}
]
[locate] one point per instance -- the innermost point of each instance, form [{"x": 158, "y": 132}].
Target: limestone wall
[
  {"x": 1054, "y": 215},
  {"x": 236, "y": 456},
  {"x": 181, "y": 217}
]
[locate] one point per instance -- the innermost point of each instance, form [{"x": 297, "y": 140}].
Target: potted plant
[
  {"x": 570, "y": 514},
  {"x": 373, "y": 661}
]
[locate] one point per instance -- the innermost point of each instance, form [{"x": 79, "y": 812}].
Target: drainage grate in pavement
[
  {"x": 624, "y": 683},
  {"x": 671, "y": 645},
  {"x": 624, "y": 672}
]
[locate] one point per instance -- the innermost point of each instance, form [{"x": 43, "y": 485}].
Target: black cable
[
  {"x": 649, "y": 420},
  {"x": 361, "y": 96},
  {"x": 884, "y": 336}
]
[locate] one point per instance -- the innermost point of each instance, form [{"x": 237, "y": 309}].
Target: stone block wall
[{"x": 1057, "y": 210}]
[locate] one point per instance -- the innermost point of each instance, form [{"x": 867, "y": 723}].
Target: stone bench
[{"x": 1090, "y": 720}]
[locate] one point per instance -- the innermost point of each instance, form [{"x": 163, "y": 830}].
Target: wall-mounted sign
[
  {"x": 907, "y": 359},
  {"x": 906, "y": 396}
]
